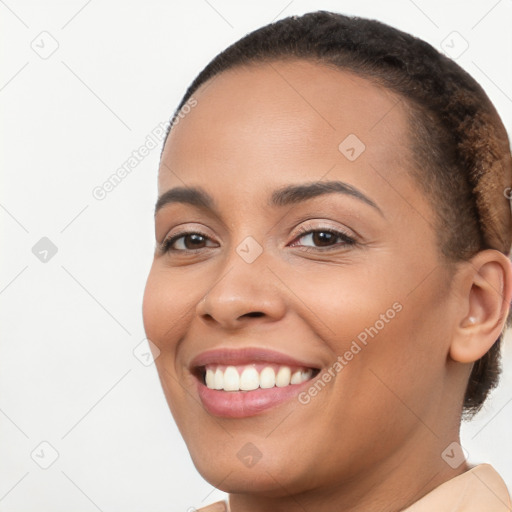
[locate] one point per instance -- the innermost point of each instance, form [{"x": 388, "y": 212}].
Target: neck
[{"x": 390, "y": 485}]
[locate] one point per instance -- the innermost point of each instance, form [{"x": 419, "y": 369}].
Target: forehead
[{"x": 284, "y": 120}]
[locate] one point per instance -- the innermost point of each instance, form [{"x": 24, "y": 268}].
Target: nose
[{"x": 242, "y": 294}]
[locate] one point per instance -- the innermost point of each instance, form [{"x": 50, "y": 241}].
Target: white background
[{"x": 68, "y": 374}]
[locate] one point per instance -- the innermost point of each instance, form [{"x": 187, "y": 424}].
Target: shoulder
[
  {"x": 219, "y": 506},
  {"x": 479, "y": 488}
]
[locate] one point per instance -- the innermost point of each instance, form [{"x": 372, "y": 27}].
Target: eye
[
  {"x": 185, "y": 242},
  {"x": 321, "y": 238},
  {"x": 324, "y": 238}
]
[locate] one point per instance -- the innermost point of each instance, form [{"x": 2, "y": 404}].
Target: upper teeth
[{"x": 248, "y": 378}]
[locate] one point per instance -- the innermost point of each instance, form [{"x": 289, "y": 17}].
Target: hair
[{"x": 456, "y": 132}]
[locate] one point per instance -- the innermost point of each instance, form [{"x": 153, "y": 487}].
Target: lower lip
[{"x": 241, "y": 404}]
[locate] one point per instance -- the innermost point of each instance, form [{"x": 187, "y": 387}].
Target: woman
[{"x": 331, "y": 278}]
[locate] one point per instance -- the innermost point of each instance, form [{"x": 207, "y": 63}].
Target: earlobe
[
  {"x": 471, "y": 320},
  {"x": 487, "y": 291}
]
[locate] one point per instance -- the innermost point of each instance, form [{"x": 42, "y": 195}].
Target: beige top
[{"x": 480, "y": 489}]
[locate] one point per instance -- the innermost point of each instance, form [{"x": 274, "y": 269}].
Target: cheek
[
  {"x": 164, "y": 304},
  {"x": 162, "y": 311},
  {"x": 166, "y": 309},
  {"x": 389, "y": 342},
  {"x": 152, "y": 308},
  {"x": 400, "y": 369},
  {"x": 346, "y": 300}
]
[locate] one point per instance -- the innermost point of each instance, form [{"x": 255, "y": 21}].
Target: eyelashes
[
  {"x": 332, "y": 234},
  {"x": 323, "y": 235},
  {"x": 167, "y": 244}
]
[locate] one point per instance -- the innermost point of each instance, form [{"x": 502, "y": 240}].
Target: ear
[{"x": 486, "y": 286}]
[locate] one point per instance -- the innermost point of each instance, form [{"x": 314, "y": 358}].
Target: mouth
[
  {"x": 253, "y": 376},
  {"x": 242, "y": 383}
]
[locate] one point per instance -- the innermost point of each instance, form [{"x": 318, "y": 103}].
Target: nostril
[{"x": 254, "y": 313}]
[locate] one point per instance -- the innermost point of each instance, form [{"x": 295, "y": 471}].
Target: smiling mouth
[
  {"x": 250, "y": 377},
  {"x": 244, "y": 382}
]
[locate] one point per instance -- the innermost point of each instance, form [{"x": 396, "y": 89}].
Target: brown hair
[{"x": 458, "y": 135}]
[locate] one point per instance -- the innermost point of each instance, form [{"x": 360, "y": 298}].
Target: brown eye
[
  {"x": 326, "y": 238},
  {"x": 323, "y": 238},
  {"x": 185, "y": 242}
]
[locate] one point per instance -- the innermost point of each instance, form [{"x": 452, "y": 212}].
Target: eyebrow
[{"x": 288, "y": 195}]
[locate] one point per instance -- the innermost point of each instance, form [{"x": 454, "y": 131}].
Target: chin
[{"x": 269, "y": 469}]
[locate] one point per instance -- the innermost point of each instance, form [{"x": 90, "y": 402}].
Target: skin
[{"x": 372, "y": 438}]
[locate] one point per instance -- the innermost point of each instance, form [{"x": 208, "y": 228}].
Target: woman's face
[{"x": 314, "y": 257}]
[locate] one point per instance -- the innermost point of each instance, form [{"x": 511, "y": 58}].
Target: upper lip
[{"x": 230, "y": 356}]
